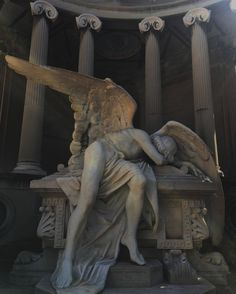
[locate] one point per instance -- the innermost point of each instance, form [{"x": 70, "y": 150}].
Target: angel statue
[{"x": 115, "y": 181}]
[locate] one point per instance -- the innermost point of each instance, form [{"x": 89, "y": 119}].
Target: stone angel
[{"x": 115, "y": 178}]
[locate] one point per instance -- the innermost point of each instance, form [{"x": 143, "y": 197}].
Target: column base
[{"x": 29, "y": 168}]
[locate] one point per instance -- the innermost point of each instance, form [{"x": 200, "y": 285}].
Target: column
[
  {"x": 203, "y": 104},
  {"x": 153, "y": 101},
  {"x": 87, "y": 23},
  {"x": 32, "y": 126}
]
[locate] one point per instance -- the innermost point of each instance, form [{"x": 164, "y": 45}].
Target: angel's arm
[
  {"x": 144, "y": 141},
  {"x": 189, "y": 168}
]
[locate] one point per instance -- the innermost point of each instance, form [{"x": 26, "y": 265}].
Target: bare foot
[
  {"x": 131, "y": 243},
  {"x": 62, "y": 278}
]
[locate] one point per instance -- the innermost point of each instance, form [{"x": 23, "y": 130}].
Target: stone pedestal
[{"x": 128, "y": 275}]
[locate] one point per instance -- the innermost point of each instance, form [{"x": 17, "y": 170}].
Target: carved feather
[{"x": 100, "y": 106}]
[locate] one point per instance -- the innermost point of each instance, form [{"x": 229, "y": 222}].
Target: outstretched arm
[
  {"x": 189, "y": 168},
  {"x": 144, "y": 141}
]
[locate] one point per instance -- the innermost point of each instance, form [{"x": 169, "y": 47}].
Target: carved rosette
[
  {"x": 196, "y": 15},
  {"x": 88, "y": 21},
  {"x": 41, "y": 7},
  {"x": 151, "y": 23}
]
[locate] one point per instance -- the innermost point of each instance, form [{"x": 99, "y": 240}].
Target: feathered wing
[
  {"x": 192, "y": 148},
  {"x": 109, "y": 101},
  {"x": 64, "y": 81},
  {"x": 100, "y": 106}
]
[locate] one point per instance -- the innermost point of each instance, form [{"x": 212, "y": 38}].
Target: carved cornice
[
  {"x": 151, "y": 22},
  {"x": 88, "y": 20},
  {"x": 196, "y": 14},
  {"x": 41, "y": 7}
]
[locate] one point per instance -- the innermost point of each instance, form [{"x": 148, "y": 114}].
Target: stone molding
[
  {"x": 88, "y": 20},
  {"x": 41, "y": 7},
  {"x": 151, "y": 22},
  {"x": 196, "y": 14}
]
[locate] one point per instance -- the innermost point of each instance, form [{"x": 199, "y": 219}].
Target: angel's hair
[{"x": 166, "y": 145}]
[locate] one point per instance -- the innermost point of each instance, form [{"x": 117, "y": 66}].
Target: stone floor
[{"x": 7, "y": 288}]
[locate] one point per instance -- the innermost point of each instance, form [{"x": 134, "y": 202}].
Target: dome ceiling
[{"x": 130, "y": 9}]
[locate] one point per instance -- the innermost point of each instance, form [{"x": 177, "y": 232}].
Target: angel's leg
[
  {"x": 152, "y": 196},
  {"x": 94, "y": 163},
  {"x": 134, "y": 206}
]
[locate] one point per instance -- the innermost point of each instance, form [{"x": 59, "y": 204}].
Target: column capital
[
  {"x": 196, "y": 14},
  {"x": 88, "y": 20},
  {"x": 151, "y": 22},
  {"x": 41, "y": 7}
]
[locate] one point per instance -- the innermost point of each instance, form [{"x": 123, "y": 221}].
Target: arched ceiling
[{"x": 130, "y": 9}]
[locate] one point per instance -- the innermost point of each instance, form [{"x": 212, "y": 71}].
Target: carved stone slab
[{"x": 179, "y": 200}]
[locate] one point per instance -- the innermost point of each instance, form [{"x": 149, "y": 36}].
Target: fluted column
[
  {"x": 87, "y": 23},
  {"x": 32, "y": 125},
  {"x": 153, "y": 101},
  {"x": 203, "y": 105}
]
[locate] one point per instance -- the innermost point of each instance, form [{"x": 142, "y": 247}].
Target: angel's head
[{"x": 165, "y": 145}]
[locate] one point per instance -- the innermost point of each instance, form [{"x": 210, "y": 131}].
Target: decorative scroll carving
[
  {"x": 53, "y": 221},
  {"x": 152, "y": 22},
  {"x": 194, "y": 226},
  {"x": 39, "y": 7},
  {"x": 88, "y": 20},
  {"x": 196, "y": 14},
  {"x": 199, "y": 226},
  {"x": 46, "y": 227},
  {"x": 27, "y": 257}
]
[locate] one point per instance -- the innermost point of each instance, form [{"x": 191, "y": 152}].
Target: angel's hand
[{"x": 189, "y": 168}]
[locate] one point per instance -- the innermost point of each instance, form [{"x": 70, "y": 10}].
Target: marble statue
[{"x": 110, "y": 178}]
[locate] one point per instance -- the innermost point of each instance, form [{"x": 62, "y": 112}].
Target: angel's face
[{"x": 166, "y": 146}]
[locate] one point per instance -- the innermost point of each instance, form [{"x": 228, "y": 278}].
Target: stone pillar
[
  {"x": 87, "y": 23},
  {"x": 32, "y": 125},
  {"x": 203, "y": 104},
  {"x": 153, "y": 104}
]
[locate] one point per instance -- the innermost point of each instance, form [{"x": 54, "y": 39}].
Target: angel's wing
[
  {"x": 192, "y": 148},
  {"x": 115, "y": 103},
  {"x": 100, "y": 106}
]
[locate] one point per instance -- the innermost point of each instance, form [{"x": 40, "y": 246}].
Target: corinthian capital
[
  {"x": 88, "y": 20},
  {"x": 151, "y": 22},
  {"x": 41, "y": 7},
  {"x": 196, "y": 14}
]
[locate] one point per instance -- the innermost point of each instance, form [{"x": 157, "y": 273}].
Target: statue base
[
  {"x": 125, "y": 275},
  {"x": 203, "y": 287}
]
